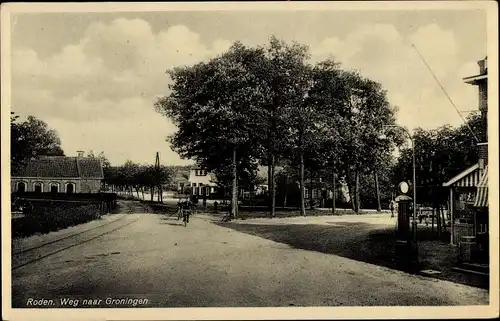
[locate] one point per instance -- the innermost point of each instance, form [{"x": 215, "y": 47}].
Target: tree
[
  {"x": 329, "y": 95},
  {"x": 286, "y": 80},
  {"x": 214, "y": 106},
  {"x": 369, "y": 112},
  {"x": 32, "y": 138},
  {"x": 440, "y": 154}
]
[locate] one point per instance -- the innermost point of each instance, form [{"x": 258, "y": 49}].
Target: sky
[{"x": 94, "y": 77}]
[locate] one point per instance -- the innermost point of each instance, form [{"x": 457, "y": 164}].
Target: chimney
[
  {"x": 483, "y": 155},
  {"x": 483, "y": 65},
  {"x": 80, "y": 153}
]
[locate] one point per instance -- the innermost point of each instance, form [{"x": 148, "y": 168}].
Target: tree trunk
[
  {"x": 443, "y": 217},
  {"x": 311, "y": 200},
  {"x": 334, "y": 182},
  {"x": 350, "y": 191},
  {"x": 432, "y": 223},
  {"x": 269, "y": 183},
  {"x": 302, "y": 201},
  {"x": 273, "y": 186},
  {"x": 356, "y": 192},
  {"x": 377, "y": 191},
  {"x": 152, "y": 192},
  {"x": 142, "y": 191},
  {"x": 438, "y": 221},
  {"x": 137, "y": 192},
  {"x": 234, "y": 202},
  {"x": 251, "y": 197},
  {"x": 286, "y": 194}
]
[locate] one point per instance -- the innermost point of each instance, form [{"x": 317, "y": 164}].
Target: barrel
[{"x": 468, "y": 246}]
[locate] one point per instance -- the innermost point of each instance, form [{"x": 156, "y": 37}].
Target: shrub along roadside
[{"x": 53, "y": 219}]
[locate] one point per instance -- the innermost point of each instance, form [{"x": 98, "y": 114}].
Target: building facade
[
  {"x": 468, "y": 200},
  {"x": 196, "y": 181},
  {"x": 59, "y": 174}
]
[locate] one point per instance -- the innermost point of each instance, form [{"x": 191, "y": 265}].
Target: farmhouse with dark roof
[{"x": 59, "y": 174}]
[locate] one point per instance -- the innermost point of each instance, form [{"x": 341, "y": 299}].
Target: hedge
[{"x": 50, "y": 219}]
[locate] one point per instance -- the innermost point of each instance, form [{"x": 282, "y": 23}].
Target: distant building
[
  {"x": 196, "y": 181},
  {"x": 59, "y": 174}
]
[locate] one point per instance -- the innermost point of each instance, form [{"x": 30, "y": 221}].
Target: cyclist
[
  {"x": 179, "y": 209},
  {"x": 186, "y": 211}
]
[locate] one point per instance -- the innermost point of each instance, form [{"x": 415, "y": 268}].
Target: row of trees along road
[
  {"x": 131, "y": 177},
  {"x": 269, "y": 105}
]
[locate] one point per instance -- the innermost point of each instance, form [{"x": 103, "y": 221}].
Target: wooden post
[{"x": 452, "y": 217}]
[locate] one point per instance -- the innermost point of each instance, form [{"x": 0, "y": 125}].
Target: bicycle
[
  {"x": 186, "y": 214},
  {"x": 228, "y": 216},
  {"x": 179, "y": 213}
]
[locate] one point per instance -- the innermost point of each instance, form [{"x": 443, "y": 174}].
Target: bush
[{"x": 50, "y": 219}]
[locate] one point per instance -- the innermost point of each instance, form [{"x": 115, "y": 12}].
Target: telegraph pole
[{"x": 158, "y": 177}]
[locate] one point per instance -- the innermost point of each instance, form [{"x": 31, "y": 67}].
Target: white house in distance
[{"x": 196, "y": 181}]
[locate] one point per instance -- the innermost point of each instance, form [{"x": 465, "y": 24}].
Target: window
[
  {"x": 37, "y": 187},
  {"x": 194, "y": 184},
  {"x": 54, "y": 187},
  {"x": 21, "y": 187},
  {"x": 70, "y": 188},
  {"x": 200, "y": 172},
  {"x": 306, "y": 193}
]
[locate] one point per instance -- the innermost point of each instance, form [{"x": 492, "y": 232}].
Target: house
[
  {"x": 196, "y": 181},
  {"x": 469, "y": 189},
  {"x": 59, "y": 174},
  {"x": 260, "y": 189}
]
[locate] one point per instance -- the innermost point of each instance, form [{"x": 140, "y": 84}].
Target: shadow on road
[
  {"x": 361, "y": 242},
  {"x": 169, "y": 218},
  {"x": 174, "y": 224}
]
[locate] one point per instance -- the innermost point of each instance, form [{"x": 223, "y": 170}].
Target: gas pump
[{"x": 406, "y": 247}]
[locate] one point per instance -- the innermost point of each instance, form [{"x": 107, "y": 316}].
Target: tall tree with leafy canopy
[
  {"x": 216, "y": 107},
  {"x": 330, "y": 95},
  {"x": 369, "y": 112},
  {"x": 31, "y": 138},
  {"x": 286, "y": 82}
]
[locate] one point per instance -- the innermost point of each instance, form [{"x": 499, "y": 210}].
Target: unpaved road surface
[{"x": 211, "y": 265}]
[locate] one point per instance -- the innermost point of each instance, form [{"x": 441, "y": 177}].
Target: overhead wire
[{"x": 444, "y": 91}]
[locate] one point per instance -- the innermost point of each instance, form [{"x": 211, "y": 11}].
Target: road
[{"x": 211, "y": 265}]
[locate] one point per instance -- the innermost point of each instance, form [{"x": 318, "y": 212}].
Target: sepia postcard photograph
[{"x": 249, "y": 160}]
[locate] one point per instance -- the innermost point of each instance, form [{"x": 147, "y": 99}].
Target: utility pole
[{"x": 158, "y": 177}]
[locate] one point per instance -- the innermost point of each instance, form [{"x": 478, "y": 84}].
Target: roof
[
  {"x": 473, "y": 80},
  {"x": 182, "y": 176},
  {"x": 467, "y": 178},
  {"x": 62, "y": 166},
  {"x": 482, "y": 190}
]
